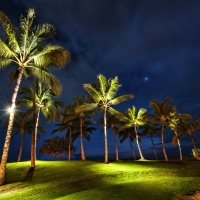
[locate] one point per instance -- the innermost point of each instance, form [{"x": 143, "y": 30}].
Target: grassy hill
[{"x": 85, "y": 180}]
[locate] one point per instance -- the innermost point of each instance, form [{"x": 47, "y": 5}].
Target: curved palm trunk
[
  {"x": 21, "y": 148},
  {"x": 195, "y": 150},
  {"x": 132, "y": 149},
  {"x": 116, "y": 147},
  {"x": 105, "y": 136},
  {"x": 36, "y": 127},
  {"x": 69, "y": 151},
  {"x": 81, "y": 139},
  {"x": 9, "y": 130},
  {"x": 179, "y": 146},
  {"x": 154, "y": 149},
  {"x": 163, "y": 146},
  {"x": 140, "y": 152}
]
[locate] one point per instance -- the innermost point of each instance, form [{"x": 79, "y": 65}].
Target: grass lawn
[{"x": 85, "y": 180}]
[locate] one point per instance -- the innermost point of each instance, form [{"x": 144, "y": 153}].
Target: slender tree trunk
[
  {"x": 69, "y": 151},
  {"x": 9, "y": 130},
  {"x": 153, "y": 147},
  {"x": 21, "y": 148},
  {"x": 115, "y": 143},
  {"x": 81, "y": 139},
  {"x": 140, "y": 152},
  {"x": 132, "y": 149},
  {"x": 105, "y": 137},
  {"x": 163, "y": 146},
  {"x": 195, "y": 149},
  {"x": 36, "y": 127},
  {"x": 179, "y": 146}
]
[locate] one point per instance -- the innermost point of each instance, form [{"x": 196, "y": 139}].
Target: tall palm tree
[
  {"x": 128, "y": 133},
  {"x": 68, "y": 123},
  {"x": 175, "y": 120},
  {"x": 151, "y": 128},
  {"x": 188, "y": 127},
  {"x": 103, "y": 96},
  {"x": 27, "y": 49},
  {"x": 162, "y": 112},
  {"x": 44, "y": 103},
  {"x": 112, "y": 123},
  {"x": 134, "y": 118},
  {"x": 81, "y": 115}
]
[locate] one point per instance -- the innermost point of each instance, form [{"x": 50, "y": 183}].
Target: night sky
[{"x": 153, "y": 46}]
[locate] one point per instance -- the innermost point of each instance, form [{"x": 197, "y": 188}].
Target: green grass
[{"x": 85, "y": 180}]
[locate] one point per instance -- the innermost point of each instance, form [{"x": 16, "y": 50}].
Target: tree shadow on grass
[{"x": 29, "y": 174}]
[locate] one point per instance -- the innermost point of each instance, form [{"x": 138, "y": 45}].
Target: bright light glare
[{"x": 10, "y": 109}]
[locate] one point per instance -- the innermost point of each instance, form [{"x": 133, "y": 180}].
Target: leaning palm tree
[
  {"x": 44, "y": 103},
  {"x": 112, "y": 123},
  {"x": 175, "y": 120},
  {"x": 162, "y": 112},
  {"x": 103, "y": 96},
  {"x": 129, "y": 134},
  {"x": 27, "y": 49},
  {"x": 134, "y": 118},
  {"x": 188, "y": 127},
  {"x": 151, "y": 128},
  {"x": 81, "y": 115}
]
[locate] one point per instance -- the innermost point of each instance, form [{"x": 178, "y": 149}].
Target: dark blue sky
[{"x": 132, "y": 39}]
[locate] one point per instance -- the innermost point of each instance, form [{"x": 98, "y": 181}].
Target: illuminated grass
[{"x": 96, "y": 180}]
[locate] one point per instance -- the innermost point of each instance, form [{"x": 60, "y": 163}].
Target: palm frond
[{"x": 120, "y": 99}]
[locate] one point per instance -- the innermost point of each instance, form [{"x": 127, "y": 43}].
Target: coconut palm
[
  {"x": 27, "y": 49},
  {"x": 151, "y": 127},
  {"x": 175, "y": 120},
  {"x": 162, "y": 112},
  {"x": 187, "y": 127},
  {"x": 134, "y": 118},
  {"x": 68, "y": 124},
  {"x": 129, "y": 134},
  {"x": 81, "y": 115},
  {"x": 103, "y": 96},
  {"x": 85, "y": 131},
  {"x": 112, "y": 123},
  {"x": 44, "y": 103}
]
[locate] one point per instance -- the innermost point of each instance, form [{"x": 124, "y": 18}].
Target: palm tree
[
  {"x": 103, "y": 96},
  {"x": 188, "y": 127},
  {"x": 112, "y": 123},
  {"x": 175, "y": 120},
  {"x": 82, "y": 115},
  {"x": 162, "y": 112},
  {"x": 44, "y": 102},
  {"x": 27, "y": 49},
  {"x": 84, "y": 131},
  {"x": 151, "y": 128},
  {"x": 134, "y": 118},
  {"x": 128, "y": 133},
  {"x": 67, "y": 123}
]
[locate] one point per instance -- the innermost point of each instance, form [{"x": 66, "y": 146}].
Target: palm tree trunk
[
  {"x": 140, "y": 152},
  {"x": 36, "y": 126},
  {"x": 162, "y": 139},
  {"x": 179, "y": 146},
  {"x": 81, "y": 139},
  {"x": 21, "y": 147},
  {"x": 132, "y": 149},
  {"x": 195, "y": 150},
  {"x": 153, "y": 147},
  {"x": 116, "y": 147},
  {"x": 9, "y": 130},
  {"x": 69, "y": 151},
  {"x": 105, "y": 137}
]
